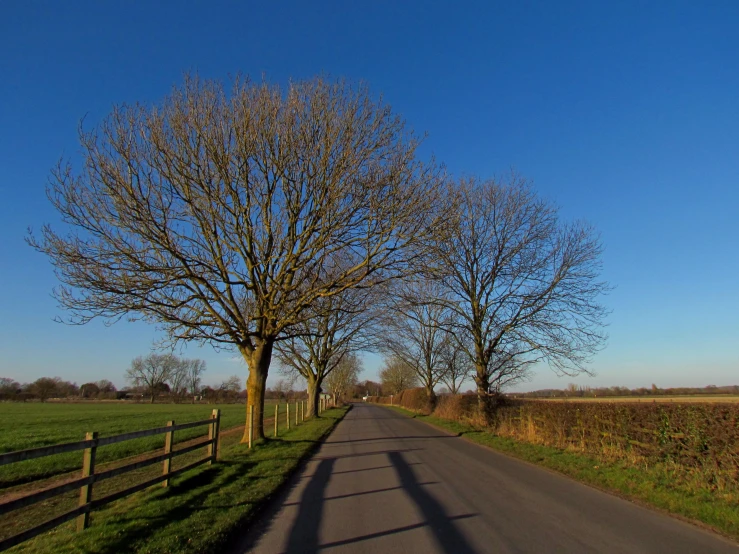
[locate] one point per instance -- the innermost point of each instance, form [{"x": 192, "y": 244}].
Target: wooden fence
[
  {"x": 89, "y": 476},
  {"x": 299, "y": 409}
]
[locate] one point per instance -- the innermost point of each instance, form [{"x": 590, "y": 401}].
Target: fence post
[
  {"x": 168, "y": 440},
  {"x": 88, "y": 470},
  {"x": 213, "y": 430},
  {"x": 302, "y": 410},
  {"x": 287, "y": 417},
  {"x": 277, "y": 419}
]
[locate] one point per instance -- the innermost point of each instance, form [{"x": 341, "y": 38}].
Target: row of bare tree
[
  {"x": 272, "y": 220},
  {"x": 180, "y": 376}
]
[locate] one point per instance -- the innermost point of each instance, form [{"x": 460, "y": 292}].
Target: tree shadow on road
[
  {"x": 360, "y": 454},
  {"x": 304, "y": 533},
  {"x": 450, "y": 539},
  {"x": 410, "y": 437}
]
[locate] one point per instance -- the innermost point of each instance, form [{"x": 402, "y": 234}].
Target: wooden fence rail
[{"x": 89, "y": 477}]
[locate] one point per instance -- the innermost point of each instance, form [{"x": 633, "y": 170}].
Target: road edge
[{"x": 246, "y": 535}]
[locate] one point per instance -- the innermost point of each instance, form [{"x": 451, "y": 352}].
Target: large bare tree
[
  {"x": 396, "y": 375},
  {"x": 415, "y": 330},
  {"x": 214, "y": 213},
  {"x": 344, "y": 376},
  {"x": 152, "y": 372},
  {"x": 339, "y": 325},
  {"x": 194, "y": 369},
  {"x": 178, "y": 380},
  {"x": 457, "y": 366},
  {"x": 524, "y": 285}
]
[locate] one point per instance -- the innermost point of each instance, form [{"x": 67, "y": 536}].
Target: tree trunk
[
  {"x": 431, "y": 398},
  {"x": 483, "y": 386},
  {"x": 313, "y": 388},
  {"x": 152, "y": 398},
  {"x": 258, "y": 361}
]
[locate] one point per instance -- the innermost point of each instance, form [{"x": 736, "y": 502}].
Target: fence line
[{"x": 89, "y": 477}]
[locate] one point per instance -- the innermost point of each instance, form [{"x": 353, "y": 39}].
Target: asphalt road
[{"x": 385, "y": 483}]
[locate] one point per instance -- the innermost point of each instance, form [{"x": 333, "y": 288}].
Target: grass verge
[
  {"x": 203, "y": 509},
  {"x": 651, "y": 486}
]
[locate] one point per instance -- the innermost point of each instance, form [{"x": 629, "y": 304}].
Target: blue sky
[{"x": 624, "y": 114}]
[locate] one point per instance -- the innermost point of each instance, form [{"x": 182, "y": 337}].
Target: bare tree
[
  {"x": 232, "y": 384},
  {"x": 525, "y": 286},
  {"x": 284, "y": 387},
  {"x": 45, "y": 388},
  {"x": 214, "y": 213},
  {"x": 370, "y": 388},
  {"x": 339, "y": 325},
  {"x": 152, "y": 372},
  {"x": 9, "y": 387},
  {"x": 105, "y": 386},
  {"x": 396, "y": 375},
  {"x": 195, "y": 368},
  {"x": 457, "y": 367},
  {"x": 230, "y": 388},
  {"x": 415, "y": 331},
  {"x": 344, "y": 376},
  {"x": 178, "y": 379},
  {"x": 89, "y": 390}
]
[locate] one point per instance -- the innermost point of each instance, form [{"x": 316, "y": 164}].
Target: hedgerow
[{"x": 696, "y": 442}]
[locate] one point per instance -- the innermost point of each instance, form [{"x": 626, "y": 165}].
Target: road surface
[{"x": 385, "y": 483}]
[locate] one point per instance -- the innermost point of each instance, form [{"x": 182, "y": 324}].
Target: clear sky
[{"x": 626, "y": 114}]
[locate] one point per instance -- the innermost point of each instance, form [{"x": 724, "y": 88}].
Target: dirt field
[{"x": 714, "y": 398}]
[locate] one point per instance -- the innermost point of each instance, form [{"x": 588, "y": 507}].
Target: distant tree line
[
  {"x": 153, "y": 376},
  {"x": 229, "y": 391},
  {"x": 45, "y": 388},
  {"x": 577, "y": 391}
]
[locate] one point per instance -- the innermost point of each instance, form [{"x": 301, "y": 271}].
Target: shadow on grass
[{"x": 184, "y": 497}]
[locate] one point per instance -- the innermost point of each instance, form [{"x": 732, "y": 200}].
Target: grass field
[
  {"x": 202, "y": 511},
  {"x": 712, "y": 398},
  {"x": 30, "y": 425}
]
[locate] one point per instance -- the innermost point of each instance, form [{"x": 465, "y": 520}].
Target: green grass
[
  {"x": 30, "y": 425},
  {"x": 202, "y": 510},
  {"x": 652, "y": 486}
]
